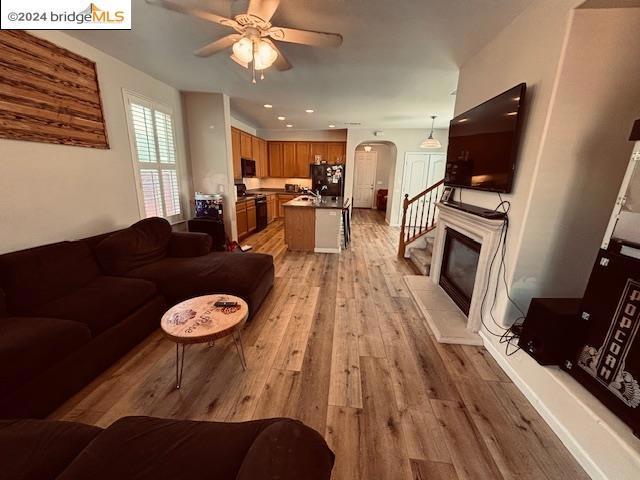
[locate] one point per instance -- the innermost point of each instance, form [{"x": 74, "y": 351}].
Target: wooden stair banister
[{"x": 415, "y": 223}]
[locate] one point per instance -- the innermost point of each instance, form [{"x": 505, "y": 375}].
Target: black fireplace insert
[{"x": 459, "y": 265}]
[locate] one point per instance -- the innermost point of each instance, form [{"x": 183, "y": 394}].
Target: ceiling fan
[{"x": 252, "y": 44}]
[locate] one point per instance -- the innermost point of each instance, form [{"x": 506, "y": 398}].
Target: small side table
[{"x": 198, "y": 320}]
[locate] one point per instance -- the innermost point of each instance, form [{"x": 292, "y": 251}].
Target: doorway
[
  {"x": 421, "y": 170},
  {"x": 365, "y": 178}
]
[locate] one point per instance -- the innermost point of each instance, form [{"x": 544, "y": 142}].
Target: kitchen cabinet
[
  {"x": 255, "y": 154},
  {"x": 303, "y": 159},
  {"x": 321, "y": 149},
  {"x": 282, "y": 199},
  {"x": 235, "y": 151},
  {"x": 336, "y": 152},
  {"x": 276, "y": 160},
  {"x": 263, "y": 159},
  {"x": 241, "y": 219},
  {"x": 251, "y": 216},
  {"x": 289, "y": 156},
  {"x": 246, "y": 150},
  {"x": 271, "y": 208}
]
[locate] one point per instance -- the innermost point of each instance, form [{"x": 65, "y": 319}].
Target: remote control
[{"x": 225, "y": 304}]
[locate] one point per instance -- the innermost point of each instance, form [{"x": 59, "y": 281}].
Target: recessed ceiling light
[
  {"x": 332, "y": 126},
  {"x": 282, "y": 118},
  {"x": 268, "y": 105},
  {"x": 289, "y": 125},
  {"x": 308, "y": 110}
]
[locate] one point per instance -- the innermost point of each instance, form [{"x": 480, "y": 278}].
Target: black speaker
[{"x": 548, "y": 331}]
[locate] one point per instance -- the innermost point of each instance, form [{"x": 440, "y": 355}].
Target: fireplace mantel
[
  {"x": 483, "y": 230},
  {"x": 448, "y": 323}
]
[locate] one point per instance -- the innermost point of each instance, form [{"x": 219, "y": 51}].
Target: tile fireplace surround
[{"x": 446, "y": 320}]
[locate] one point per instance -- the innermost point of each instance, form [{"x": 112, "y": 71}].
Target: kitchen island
[{"x": 312, "y": 225}]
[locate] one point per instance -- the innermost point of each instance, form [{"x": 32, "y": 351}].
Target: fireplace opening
[{"x": 459, "y": 265}]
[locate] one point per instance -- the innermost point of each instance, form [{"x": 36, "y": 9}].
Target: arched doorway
[{"x": 374, "y": 176}]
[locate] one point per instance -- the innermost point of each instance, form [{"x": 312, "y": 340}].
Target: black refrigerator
[{"x": 329, "y": 176}]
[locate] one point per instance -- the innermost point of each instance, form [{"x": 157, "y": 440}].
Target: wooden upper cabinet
[
  {"x": 246, "y": 145},
  {"x": 235, "y": 151},
  {"x": 265, "y": 158},
  {"x": 276, "y": 159},
  {"x": 256, "y": 155},
  {"x": 303, "y": 159},
  {"x": 289, "y": 156},
  {"x": 336, "y": 152},
  {"x": 321, "y": 149}
]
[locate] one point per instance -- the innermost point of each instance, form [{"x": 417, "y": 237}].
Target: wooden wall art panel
[{"x": 48, "y": 94}]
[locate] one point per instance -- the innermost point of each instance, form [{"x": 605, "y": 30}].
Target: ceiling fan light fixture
[
  {"x": 243, "y": 50},
  {"x": 431, "y": 142},
  {"x": 264, "y": 55}
]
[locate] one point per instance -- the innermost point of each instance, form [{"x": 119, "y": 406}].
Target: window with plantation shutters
[{"x": 151, "y": 128}]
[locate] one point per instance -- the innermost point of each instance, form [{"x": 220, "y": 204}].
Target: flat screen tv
[{"x": 483, "y": 143}]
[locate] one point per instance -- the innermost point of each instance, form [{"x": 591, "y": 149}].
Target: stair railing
[{"x": 419, "y": 215}]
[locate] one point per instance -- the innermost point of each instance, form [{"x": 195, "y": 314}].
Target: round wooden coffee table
[{"x": 198, "y": 320}]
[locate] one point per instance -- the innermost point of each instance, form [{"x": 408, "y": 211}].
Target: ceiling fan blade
[
  {"x": 306, "y": 37},
  {"x": 281, "y": 62},
  {"x": 195, "y": 12},
  {"x": 263, "y": 9},
  {"x": 220, "y": 44}
]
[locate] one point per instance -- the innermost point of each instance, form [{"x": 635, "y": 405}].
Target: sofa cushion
[
  {"x": 100, "y": 304},
  {"x": 40, "y": 450},
  {"x": 182, "y": 278},
  {"x": 29, "y": 346},
  {"x": 288, "y": 450},
  {"x": 142, "y": 243},
  {"x": 36, "y": 276},
  {"x": 158, "y": 449}
]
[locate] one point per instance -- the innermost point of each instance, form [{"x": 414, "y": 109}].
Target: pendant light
[
  {"x": 367, "y": 148},
  {"x": 431, "y": 142}
]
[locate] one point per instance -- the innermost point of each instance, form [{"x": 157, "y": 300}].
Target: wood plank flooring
[{"x": 339, "y": 345}]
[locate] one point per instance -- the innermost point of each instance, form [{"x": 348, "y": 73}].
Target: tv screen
[{"x": 483, "y": 143}]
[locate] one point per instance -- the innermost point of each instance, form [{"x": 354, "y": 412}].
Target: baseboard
[
  {"x": 602, "y": 444},
  {"x": 326, "y": 250}
]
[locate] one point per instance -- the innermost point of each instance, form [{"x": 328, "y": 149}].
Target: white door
[
  {"x": 365, "y": 179},
  {"x": 421, "y": 170}
]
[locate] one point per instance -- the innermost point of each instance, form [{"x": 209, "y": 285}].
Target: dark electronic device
[
  {"x": 607, "y": 360},
  {"x": 550, "y": 324},
  {"x": 483, "y": 143},
  {"x": 248, "y": 168},
  {"x": 261, "y": 212},
  {"x": 225, "y": 304},
  {"x": 475, "y": 210},
  {"x": 214, "y": 228}
]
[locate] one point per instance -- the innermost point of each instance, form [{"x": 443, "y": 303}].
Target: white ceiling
[{"x": 398, "y": 63}]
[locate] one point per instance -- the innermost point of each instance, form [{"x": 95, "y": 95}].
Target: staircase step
[
  {"x": 421, "y": 258},
  {"x": 429, "y": 244}
]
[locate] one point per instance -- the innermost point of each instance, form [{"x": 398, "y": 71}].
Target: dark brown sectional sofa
[
  {"x": 70, "y": 309},
  {"x": 145, "y": 448}
]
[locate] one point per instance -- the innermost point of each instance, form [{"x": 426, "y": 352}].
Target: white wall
[
  {"x": 584, "y": 156},
  {"x": 52, "y": 192},
  {"x": 582, "y": 75},
  {"x": 528, "y": 50},
  {"x": 405, "y": 140},
  {"x": 242, "y": 125},
  {"x": 208, "y": 121}
]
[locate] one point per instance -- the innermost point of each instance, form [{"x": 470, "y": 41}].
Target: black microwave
[{"x": 248, "y": 168}]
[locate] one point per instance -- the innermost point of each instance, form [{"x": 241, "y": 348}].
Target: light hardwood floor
[{"x": 339, "y": 345}]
